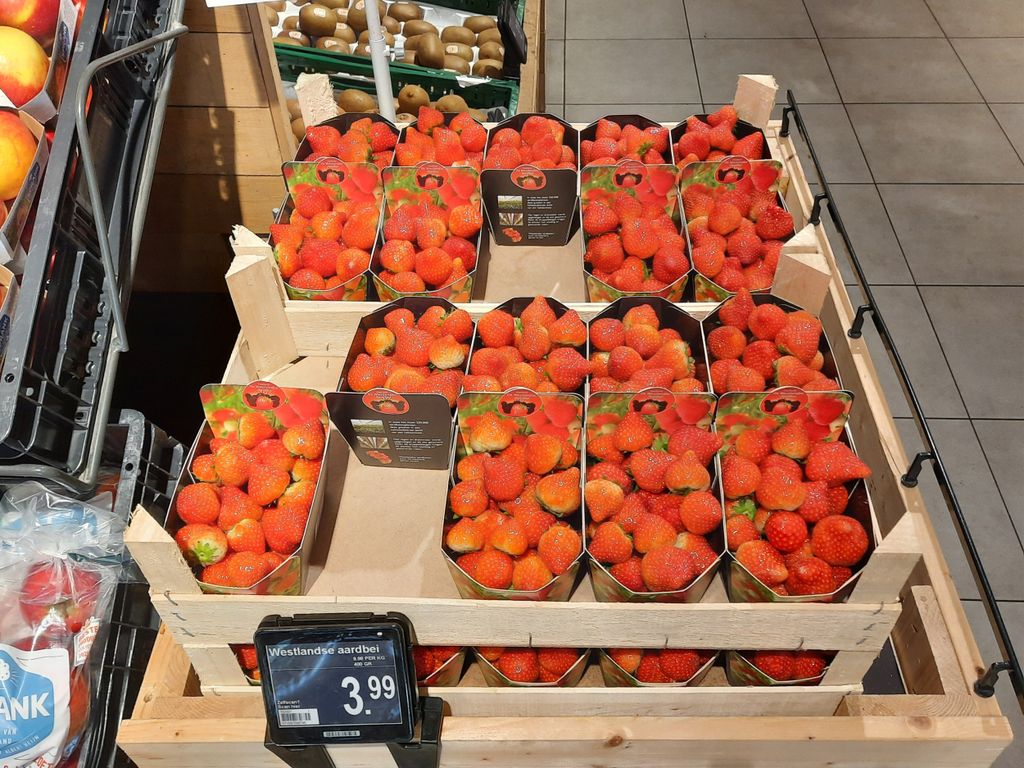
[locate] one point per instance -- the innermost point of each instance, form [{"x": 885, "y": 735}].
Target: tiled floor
[{"x": 917, "y": 110}]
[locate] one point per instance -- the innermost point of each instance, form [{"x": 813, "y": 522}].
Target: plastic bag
[{"x": 60, "y": 560}]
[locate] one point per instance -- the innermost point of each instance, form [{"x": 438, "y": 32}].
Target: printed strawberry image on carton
[
  {"x": 248, "y": 502},
  {"x": 402, "y": 377},
  {"x": 429, "y": 241},
  {"x": 799, "y": 521},
  {"x": 532, "y": 667},
  {"x": 537, "y": 343},
  {"x": 652, "y": 497},
  {"x": 513, "y": 519},
  {"x": 757, "y": 342},
  {"x": 633, "y": 241},
  {"x": 776, "y": 667},
  {"x": 738, "y": 223},
  {"x": 529, "y": 179},
  {"x": 655, "y": 667},
  {"x": 327, "y": 229}
]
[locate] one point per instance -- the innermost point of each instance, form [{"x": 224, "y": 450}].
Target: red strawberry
[
  {"x": 639, "y": 238},
  {"x": 496, "y": 328},
  {"x": 648, "y": 469},
  {"x": 816, "y": 502},
  {"x": 568, "y": 330},
  {"x": 652, "y": 532},
  {"x": 606, "y": 334},
  {"x": 232, "y": 463},
  {"x": 774, "y": 223},
  {"x": 839, "y": 540},
  {"x": 503, "y": 479},
  {"x": 679, "y": 665},
  {"x": 753, "y": 444},
  {"x": 687, "y": 474},
  {"x": 739, "y": 529},
  {"x": 667, "y": 569},
  {"x": 494, "y": 569},
  {"x": 701, "y": 512},
  {"x": 778, "y": 665},
  {"x": 724, "y": 218},
  {"x": 779, "y": 490},
  {"x": 786, "y": 531},
  {"x": 559, "y": 546},
  {"x": 808, "y": 665},
  {"x": 835, "y": 464},
  {"x": 567, "y": 369},
  {"x": 763, "y": 561},
  {"x": 305, "y": 440},
  {"x": 691, "y": 438},
  {"x": 740, "y": 476},
  {"x": 629, "y": 574},
  {"x": 598, "y": 218},
  {"x": 560, "y": 493},
  {"x": 202, "y": 544},
  {"x": 633, "y": 433},
  {"x": 198, "y": 503},
  {"x": 809, "y": 575},
  {"x": 235, "y": 505},
  {"x": 750, "y": 147},
  {"x": 610, "y": 544},
  {"x": 726, "y": 342},
  {"x": 247, "y": 536},
  {"x": 519, "y": 665},
  {"x": 800, "y": 336},
  {"x": 736, "y": 310},
  {"x": 266, "y": 484}
]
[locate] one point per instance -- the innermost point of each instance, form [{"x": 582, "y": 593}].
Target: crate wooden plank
[
  {"x": 531, "y": 75},
  {"x": 222, "y": 71},
  {"x": 198, "y": 17},
  {"x": 212, "y": 139}
]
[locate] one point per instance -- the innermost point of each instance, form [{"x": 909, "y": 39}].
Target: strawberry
[
  {"x": 567, "y": 369},
  {"x": 399, "y": 318},
  {"x": 809, "y": 575},
  {"x": 736, "y": 310},
  {"x": 739, "y": 529},
  {"x": 789, "y": 371},
  {"x": 236, "y": 505},
  {"x": 624, "y": 362},
  {"x": 232, "y": 464},
  {"x": 679, "y": 665},
  {"x": 245, "y": 568},
  {"x": 467, "y": 498},
  {"x": 800, "y": 336},
  {"x": 557, "y": 661},
  {"x": 529, "y": 573},
  {"x": 560, "y": 493},
  {"x": 305, "y": 440},
  {"x": 627, "y": 658},
  {"x": 700, "y": 512},
  {"x": 786, "y": 531},
  {"x": 519, "y": 665},
  {"x": 559, "y": 546},
  {"x": 465, "y": 220},
  {"x": 543, "y": 452},
  {"x": 763, "y": 561},
  {"x": 778, "y": 665},
  {"x": 791, "y": 440},
  {"x": 839, "y": 540},
  {"x": 652, "y": 532},
  {"x": 667, "y": 569},
  {"x": 632, "y": 433},
  {"x": 725, "y": 115},
  {"x": 835, "y": 464},
  {"x": 311, "y": 200},
  {"x": 639, "y": 238},
  {"x": 726, "y": 342},
  {"x": 721, "y": 137},
  {"x": 494, "y": 569},
  {"x": 724, "y": 218},
  {"x": 649, "y": 670},
  {"x": 509, "y": 538},
  {"x": 753, "y": 444},
  {"x": 202, "y": 544},
  {"x": 539, "y": 312},
  {"x": 816, "y": 502},
  {"x": 198, "y": 503},
  {"x": 598, "y": 218},
  {"x": 740, "y": 476},
  {"x": 779, "y": 490},
  {"x": 446, "y": 353},
  {"x": 774, "y": 223},
  {"x": 760, "y": 356},
  {"x": 491, "y": 432},
  {"x": 610, "y": 544},
  {"x": 808, "y": 665},
  {"x": 496, "y": 328},
  {"x": 648, "y": 469},
  {"x": 568, "y": 330},
  {"x": 703, "y": 443},
  {"x": 253, "y": 428},
  {"x": 503, "y": 479},
  {"x": 465, "y": 536},
  {"x": 379, "y": 342},
  {"x": 266, "y": 484},
  {"x": 247, "y": 536},
  {"x": 644, "y": 339},
  {"x": 687, "y": 474}
]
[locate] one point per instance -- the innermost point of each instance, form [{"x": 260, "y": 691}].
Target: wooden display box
[{"x": 904, "y": 593}]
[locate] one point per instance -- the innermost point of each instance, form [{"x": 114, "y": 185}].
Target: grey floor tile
[
  {"x": 554, "y": 73},
  {"x": 1013, "y": 614},
  {"x": 615, "y": 19},
  {"x": 796, "y": 64},
  {"x": 908, "y": 323},
  {"x": 994, "y": 534},
  {"x": 883, "y": 70},
  {"x": 979, "y": 329},
  {"x": 663, "y": 113},
  {"x": 871, "y": 234},
  {"x": 1003, "y": 442},
  {"x": 835, "y": 143},
  {"x": 935, "y": 503},
  {"x": 959, "y": 234},
  {"x": 872, "y": 18},
  {"x": 621, "y": 71},
  {"x": 979, "y": 18},
  {"x": 995, "y": 65},
  {"x": 747, "y": 18},
  {"x": 1011, "y": 117},
  {"x": 554, "y": 21},
  {"x": 901, "y": 143}
]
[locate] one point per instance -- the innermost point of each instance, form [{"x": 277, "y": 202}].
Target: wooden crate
[{"x": 939, "y": 722}]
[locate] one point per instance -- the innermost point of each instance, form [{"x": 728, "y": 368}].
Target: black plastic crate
[{"x": 51, "y": 393}]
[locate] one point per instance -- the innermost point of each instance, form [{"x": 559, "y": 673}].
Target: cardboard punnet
[
  {"x": 529, "y": 205},
  {"x": 739, "y": 670},
  {"x": 649, "y": 184},
  {"x": 448, "y": 674},
  {"x": 433, "y": 184},
  {"x": 571, "y": 678},
  {"x": 617, "y": 677},
  {"x": 473, "y": 159},
  {"x": 43, "y": 106},
  {"x": 342, "y": 124},
  {"x": 590, "y": 132},
  {"x": 8, "y": 300},
  {"x": 223, "y": 405},
  {"x": 412, "y": 430},
  {"x": 553, "y": 413},
  {"x": 17, "y": 210}
]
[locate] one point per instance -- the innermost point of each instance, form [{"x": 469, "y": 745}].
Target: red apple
[
  {"x": 60, "y": 596},
  {"x": 33, "y": 17},
  {"x": 23, "y": 66},
  {"x": 17, "y": 148}
]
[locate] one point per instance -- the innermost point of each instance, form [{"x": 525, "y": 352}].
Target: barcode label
[{"x": 299, "y": 717}]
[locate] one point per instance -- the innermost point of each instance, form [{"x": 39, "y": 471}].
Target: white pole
[{"x": 379, "y": 56}]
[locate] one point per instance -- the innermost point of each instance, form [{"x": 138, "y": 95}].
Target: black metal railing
[{"x": 985, "y": 684}]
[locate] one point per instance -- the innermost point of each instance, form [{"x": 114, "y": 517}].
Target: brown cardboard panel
[{"x": 532, "y": 271}]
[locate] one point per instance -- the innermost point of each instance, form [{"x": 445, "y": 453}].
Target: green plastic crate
[{"x": 348, "y": 71}]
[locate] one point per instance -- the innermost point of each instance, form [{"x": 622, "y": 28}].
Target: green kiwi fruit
[
  {"x": 391, "y": 24},
  {"x": 298, "y": 128},
  {"x": 411, "y": 42},
  {"x": 452, "y": 103},
  {"x": 405, "y": 117},
  {"x": 364, "y": 37},
  {"x": 487, "y": 68},
  {"x": 335, "y": 5},
  {"x": 333, "y": 44},
  {"x": 289, "y": 41},
  {"x": 292, "y": 22},
  {"x": 278, "y": 5},
  {"x": 418, "y": 27},
  {"x": 317, "y": 20},
  {"x": 409, "y": 57},
  {"x": 456, "y": 64},
  {"x": 292, "y": 105},
  {"x": 460, "y": 50},
  {"x": 458, "y": 35},
  {"x": 344, "y": 32},
  {"x": 357, "y": 13},
  {"x": 361, "y": 49},
  {"x": 492, "y": 50},
  {"x": 354, "y": 100},
  {"x": 479, "y": 23},
  {"x": 411, "y": 98},
  {"x": 292, "y": 36},
  {"x": 405, "y": 11},
  {"x": 492, "y": 35},
  {"x": 479, "y": 115},
  {"x": 430, "y": 51}
]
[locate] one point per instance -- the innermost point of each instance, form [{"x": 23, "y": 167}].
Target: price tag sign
[{"x": 337, "y": 680}]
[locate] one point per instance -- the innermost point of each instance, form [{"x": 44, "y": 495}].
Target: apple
[
  {"x": 59, "y": 597},
  {"x": 17, "y": 148},
  {"x": 23, "y": 66},
  {"x": 33, "y": 17}
]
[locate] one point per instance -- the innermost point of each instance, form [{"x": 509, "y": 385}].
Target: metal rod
[
  {"x": 1011, "y": 663},
  {"x": 89, "y": 169},
  {"x": 381, "y": 66},
  {"x": 857, "y": 326},
  {"x": 909, "y": 479}
]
